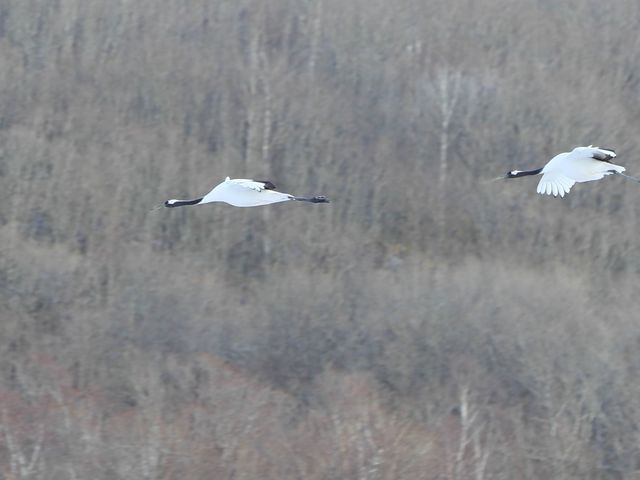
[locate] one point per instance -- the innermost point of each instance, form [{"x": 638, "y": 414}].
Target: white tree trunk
[
  {"x": 22, "y": 465},
  {"x": 448, "y": 85}
]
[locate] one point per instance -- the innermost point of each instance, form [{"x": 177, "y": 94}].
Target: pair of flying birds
[{"x": 582, "y": 164}]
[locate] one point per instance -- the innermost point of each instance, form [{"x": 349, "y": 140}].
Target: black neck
[
  {"x": 182, "y": 203},
  {"x": 527, "y": 172}
]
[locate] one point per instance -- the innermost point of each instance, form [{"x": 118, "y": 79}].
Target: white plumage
[
  {"x": 582, "y": 164},
  {"x": 242, "y": 192}
]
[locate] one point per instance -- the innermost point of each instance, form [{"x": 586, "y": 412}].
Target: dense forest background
[{"x": 427, "y": 324}]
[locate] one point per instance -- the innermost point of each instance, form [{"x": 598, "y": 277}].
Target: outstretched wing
[
  {"x": 257, "y": 185},
  {"x": 555, "y": 183}
]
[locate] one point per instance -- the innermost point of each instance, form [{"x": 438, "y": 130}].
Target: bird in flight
[
  {"x": 242, "y": 192},
  {"x": 582, "y": 164}
]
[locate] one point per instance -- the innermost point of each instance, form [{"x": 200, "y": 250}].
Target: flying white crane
[
  {"x": 241, "y": 192},
  {"x": 582, "y": 164}
]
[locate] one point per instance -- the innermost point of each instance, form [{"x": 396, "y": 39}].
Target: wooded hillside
[{"x": 427, "y": 324}]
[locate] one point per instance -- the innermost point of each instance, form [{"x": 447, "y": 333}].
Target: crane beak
[{"x": 496, "y": 179}]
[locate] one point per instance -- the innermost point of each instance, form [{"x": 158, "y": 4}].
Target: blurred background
[{"x": 427, "y": 324}]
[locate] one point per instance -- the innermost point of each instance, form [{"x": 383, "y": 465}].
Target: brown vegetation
[{"x": 424, "y": 325}]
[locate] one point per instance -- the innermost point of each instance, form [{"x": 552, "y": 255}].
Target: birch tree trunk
[
  {"x": 448, "y": 85},
  {"x": 266, "y": 145},
  {"x": 23, "y": 465}
]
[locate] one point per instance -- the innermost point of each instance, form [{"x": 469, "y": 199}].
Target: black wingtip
[{"x": 267, "y": 184}]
